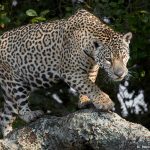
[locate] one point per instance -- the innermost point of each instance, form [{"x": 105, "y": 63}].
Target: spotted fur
[{"x": 39, "y": 55}]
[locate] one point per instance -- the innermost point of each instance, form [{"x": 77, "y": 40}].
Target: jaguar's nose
[{"x": 119, "y": 72}]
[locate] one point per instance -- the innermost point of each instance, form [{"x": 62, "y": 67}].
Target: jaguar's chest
[{"x": 93, "y": 72}]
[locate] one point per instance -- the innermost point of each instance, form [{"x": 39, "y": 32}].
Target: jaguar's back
[{"x": 30, "y": 50}]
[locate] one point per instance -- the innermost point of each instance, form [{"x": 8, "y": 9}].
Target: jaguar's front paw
[
  {"x": 83, "y": 101},
  {"x": 103, "y": 102}
]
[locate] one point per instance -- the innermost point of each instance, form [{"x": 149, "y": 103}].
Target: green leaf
[
  {"x": 31, "y": 13},
  {"x": 143, "y": 73},
  {"x": 38, "y": 19},
  {"x": 4, "y": 20},
  {"x": 44, "y": 13},
  {"x": 68, "y": 9},
  {"x": 1, "y": 7},
  {"x": 144, "y": 12}
]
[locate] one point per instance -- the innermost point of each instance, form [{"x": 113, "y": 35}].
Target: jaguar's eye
[{"x": 96, "y": 44}]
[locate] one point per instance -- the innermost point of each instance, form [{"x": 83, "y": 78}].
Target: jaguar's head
[
  {"x": 113, "y": 56},
  {"x": 108, "y": 48}
]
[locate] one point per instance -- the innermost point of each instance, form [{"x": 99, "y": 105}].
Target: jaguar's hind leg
[
  {"x": 16, "y": 103},
  {"x": 7, "y": 116},
  {"x": 6, "y": 119},
  {"x": 27, "y": 115},
  {"x": 24, "y": 112}
]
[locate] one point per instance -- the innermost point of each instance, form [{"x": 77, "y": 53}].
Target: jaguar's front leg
[{"x": 89, "y": 92}]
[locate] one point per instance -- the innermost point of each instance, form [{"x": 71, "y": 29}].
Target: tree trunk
[{"x": 86, "y": 129}]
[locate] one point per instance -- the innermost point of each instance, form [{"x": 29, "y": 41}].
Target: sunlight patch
[{"x": 131, "y": 103}]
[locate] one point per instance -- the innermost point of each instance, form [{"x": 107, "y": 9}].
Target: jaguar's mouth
[{"x": 118, "y": 79}]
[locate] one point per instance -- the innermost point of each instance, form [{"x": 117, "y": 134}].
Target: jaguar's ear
[{"x": 127, "y": 37}]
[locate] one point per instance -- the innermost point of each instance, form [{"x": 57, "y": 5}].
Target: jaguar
[{"x": 39, "y": 55}]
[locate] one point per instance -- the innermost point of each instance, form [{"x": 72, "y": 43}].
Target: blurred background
[{"x": 132, "y": 95}]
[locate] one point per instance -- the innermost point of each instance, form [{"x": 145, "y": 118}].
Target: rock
[{"x": 81, "y": 130}]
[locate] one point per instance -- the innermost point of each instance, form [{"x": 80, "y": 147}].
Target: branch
[{"x": 84, "y": 129}]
